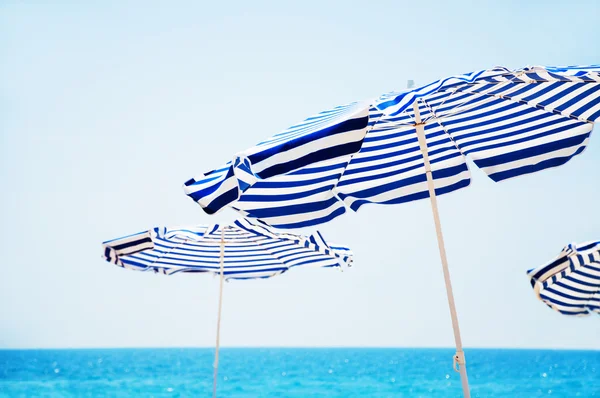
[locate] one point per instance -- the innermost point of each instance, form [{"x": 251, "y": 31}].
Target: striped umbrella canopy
[
  {"x": 251, "y": 249},
  {"x": 570, "y": 284},
  {"x": 243, "y": 250},
  {"x": 508, "y": 122}
]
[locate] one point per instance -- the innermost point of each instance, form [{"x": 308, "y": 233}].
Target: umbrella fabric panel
[
  {"x": 331, "y": 135},
  {"x": 570, "y": 284},
  {"x": 250, "y": 250},
  {"x": 389, "y": 169},
  {"x": 508, "y": 123},
  {"x": 298, "y": 199},
  {"x": 511, "y": 136}
]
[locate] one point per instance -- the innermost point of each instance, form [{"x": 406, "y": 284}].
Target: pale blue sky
[{"x": 106, "y": 108}]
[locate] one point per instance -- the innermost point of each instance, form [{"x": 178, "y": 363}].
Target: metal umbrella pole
[
  {"x": 222, "y": 261},
  {"x": 459, "y": 363}
]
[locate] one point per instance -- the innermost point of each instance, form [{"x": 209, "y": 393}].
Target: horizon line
[{"x": 294, "y": 347}]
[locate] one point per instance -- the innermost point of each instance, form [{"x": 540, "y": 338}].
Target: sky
[{"x": 107, "y": 107}]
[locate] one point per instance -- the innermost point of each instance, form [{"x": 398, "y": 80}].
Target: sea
[{"x": 297, "y": 372}]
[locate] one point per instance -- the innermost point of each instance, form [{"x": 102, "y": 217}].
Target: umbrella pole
[
  {"x": 216, "y": 365},
  {"x": 459, "y": 358}
]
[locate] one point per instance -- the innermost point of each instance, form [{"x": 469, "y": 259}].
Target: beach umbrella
[
  {"x": 570, "y": 284},
  {"x": 508, "y": 122},
  {"x": 242, "y": 250}
]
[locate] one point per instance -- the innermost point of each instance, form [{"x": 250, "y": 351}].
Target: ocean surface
[{"x": 296, "y": 372}]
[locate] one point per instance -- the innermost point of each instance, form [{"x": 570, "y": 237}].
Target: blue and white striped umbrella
[
  {"x": 570, "y": 284},
  {"x": 335, "y": 134},
  {"x": 246, "y": 249},
  {"x": 509, "y": 122},
  {"x": 243, "y": 250}
]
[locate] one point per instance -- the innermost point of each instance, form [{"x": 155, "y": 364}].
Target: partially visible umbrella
[
  {"x": 243, "y": 250},
  {"x": 508, "y": 122},
  {"x": 570, "y": 284}
]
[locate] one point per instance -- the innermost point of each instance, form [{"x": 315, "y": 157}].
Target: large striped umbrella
[
  {"x": 243, "y": 250},
  {"x": 570, "y": 284},
  {"x": 509, "y": 122}
]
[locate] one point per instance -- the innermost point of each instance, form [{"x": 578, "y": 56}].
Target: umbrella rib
[
  {"x": 439, "y": 122},
  {"x": 454, "y": 111},
  {"x": 523, "y": 102},
  {"x": 334, "y": 189},
  {"x": 262, "y": 246},
  {"x": 185, "y": 240},
  {"x": 284, "y": 265},
  {"x": 443, "y": 102}
]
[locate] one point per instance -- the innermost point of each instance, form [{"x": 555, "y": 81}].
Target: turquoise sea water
[{"x": 296, "y": 372}]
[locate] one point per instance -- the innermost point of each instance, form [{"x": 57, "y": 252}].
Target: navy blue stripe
[
  {"x": 587, "y": 106},
  {"x": 297, "y": 183},
  {"x": 293, "y": 209},
  {"x": 580, "y": 97},
  {"x": 343, "y": 127},
  {"x": 516, "y": 133},
  {"x": 291, "y": 196},
  {"x": 437, "y": 174},
  {"x": 529, "y": 152},
  {"x": 122, "y": 246},
  {"x": 314, "y": 221},
  {"x": 219, "y": 202},
  {"x": 314, "y": 157},
  {"x": 533, "y": 168},
  {"x": 416, "y": 196}
]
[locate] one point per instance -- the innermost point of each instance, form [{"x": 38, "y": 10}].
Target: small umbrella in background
[
  {"x": 570, "y": 284},
  {"x": 243, "y": 250},
  {"x": 508, "y": 122}
]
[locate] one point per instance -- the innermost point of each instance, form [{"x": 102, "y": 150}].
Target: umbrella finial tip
[{"x": 410, "y": 83}]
